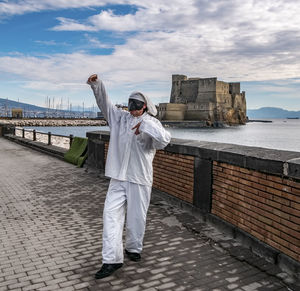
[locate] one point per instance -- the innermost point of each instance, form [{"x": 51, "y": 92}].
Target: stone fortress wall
[{"x": 205, "y": 99}]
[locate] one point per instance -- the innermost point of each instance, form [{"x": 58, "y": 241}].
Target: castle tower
[{"x": 176, "y": 88}]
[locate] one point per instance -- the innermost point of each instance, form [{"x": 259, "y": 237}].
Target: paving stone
[
  {"x": 19, "y": 285},
  {"x": 151, "y": 283},
  {"x": 50, "y": 237},
  {"x": 69, "y": 283},
  {"x": 34, "y": 287},
  {"x": 167, "y": 286},
  {"x": 5, "y": 283},
  {"x": 81, "y": 285},
  {"x": 50, "y": 288},
  {"x": 70, "y": 288}
]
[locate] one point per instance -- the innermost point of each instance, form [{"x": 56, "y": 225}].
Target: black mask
[{"x": 134, "y": 104}]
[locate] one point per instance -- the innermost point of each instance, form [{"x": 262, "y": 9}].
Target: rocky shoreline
[{"x": 53, "y": 122}]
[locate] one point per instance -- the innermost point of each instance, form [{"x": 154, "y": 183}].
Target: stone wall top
[
  {"x": 277, "y": 162},
  {"x": 53, "y": 122}
]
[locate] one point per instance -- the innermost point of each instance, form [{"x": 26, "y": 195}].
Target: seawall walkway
[{"x": 50, "y": 237}]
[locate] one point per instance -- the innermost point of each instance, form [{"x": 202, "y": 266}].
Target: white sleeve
[
  {"x": 156, "y": 131},
  {"x": 111, "y": 113}
]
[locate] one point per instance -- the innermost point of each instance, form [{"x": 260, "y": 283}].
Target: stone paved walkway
[{"x": 50, "y": 236}]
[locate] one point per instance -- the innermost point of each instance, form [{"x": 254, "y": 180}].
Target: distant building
[
  {"x": 122, "y": 106},
  {"x": 17, "y": 113},
  {"x": 205, "y": 99}
]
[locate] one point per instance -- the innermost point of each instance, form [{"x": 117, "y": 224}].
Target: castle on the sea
[{"x": 204, "y": 99}]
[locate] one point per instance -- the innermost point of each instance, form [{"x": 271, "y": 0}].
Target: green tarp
[{"x": 77, "y": 153}]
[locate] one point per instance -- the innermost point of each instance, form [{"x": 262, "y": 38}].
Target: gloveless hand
[
  {"x": 137, "y": 128},
  {"x": 92, "y": 78}
]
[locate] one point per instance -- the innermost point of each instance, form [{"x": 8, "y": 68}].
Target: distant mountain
[
  {"x": 271, "y": 112},
  {"x": 36, "y": 111},
  {"x": 14, "y": 104}
]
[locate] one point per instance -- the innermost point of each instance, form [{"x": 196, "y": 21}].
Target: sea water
[{"x": 281, "y": 134}]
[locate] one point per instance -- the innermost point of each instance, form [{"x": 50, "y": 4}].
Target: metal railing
[{"x": 47, "y": 138}]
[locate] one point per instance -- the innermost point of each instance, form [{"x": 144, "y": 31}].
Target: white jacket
[{"x": 130, "y": 156}]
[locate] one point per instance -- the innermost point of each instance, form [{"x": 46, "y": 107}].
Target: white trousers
[{"x": 137, "y": 199}]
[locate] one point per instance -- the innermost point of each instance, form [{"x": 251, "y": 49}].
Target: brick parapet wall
[
  {"x": 254, "y": 190},
  {"x": 174, "y": 174},
  {"x": 266, "y": 206}
]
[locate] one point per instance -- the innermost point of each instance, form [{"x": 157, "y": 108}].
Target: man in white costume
[{"x": 134, "y": 138}]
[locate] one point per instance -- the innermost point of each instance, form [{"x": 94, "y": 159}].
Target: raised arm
[{"x": 110, "y": 112}]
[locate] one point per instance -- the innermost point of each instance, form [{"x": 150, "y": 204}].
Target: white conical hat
[{"x": 151, "y": 109}]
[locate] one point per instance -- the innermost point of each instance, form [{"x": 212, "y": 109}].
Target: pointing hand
[{"x": 137, "y": 128}]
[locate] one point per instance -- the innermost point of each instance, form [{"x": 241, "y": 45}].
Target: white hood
[{"x": 151, "y": 109}]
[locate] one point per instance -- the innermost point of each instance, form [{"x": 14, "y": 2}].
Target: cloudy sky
[{"x": 50, "y": 47}]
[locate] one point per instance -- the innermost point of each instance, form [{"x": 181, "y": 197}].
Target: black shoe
[
  {"x": 106, "y": 270},
  {"x": 133, "y": 256}
]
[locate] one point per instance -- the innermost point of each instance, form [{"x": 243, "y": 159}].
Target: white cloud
[
  {"x": 153, "y": 16},
  {"x": 42, "y": 85},
  {"x": 106, "y": 20},
  {"x": 93, "y": 42},
  {"x": 250, "y": 40},
  {"x": 233, "y": 40},
  {"x": 19, "y": 7},
  {"x": 71, "y": 25},
  {"x": 50, "y": 43}
]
